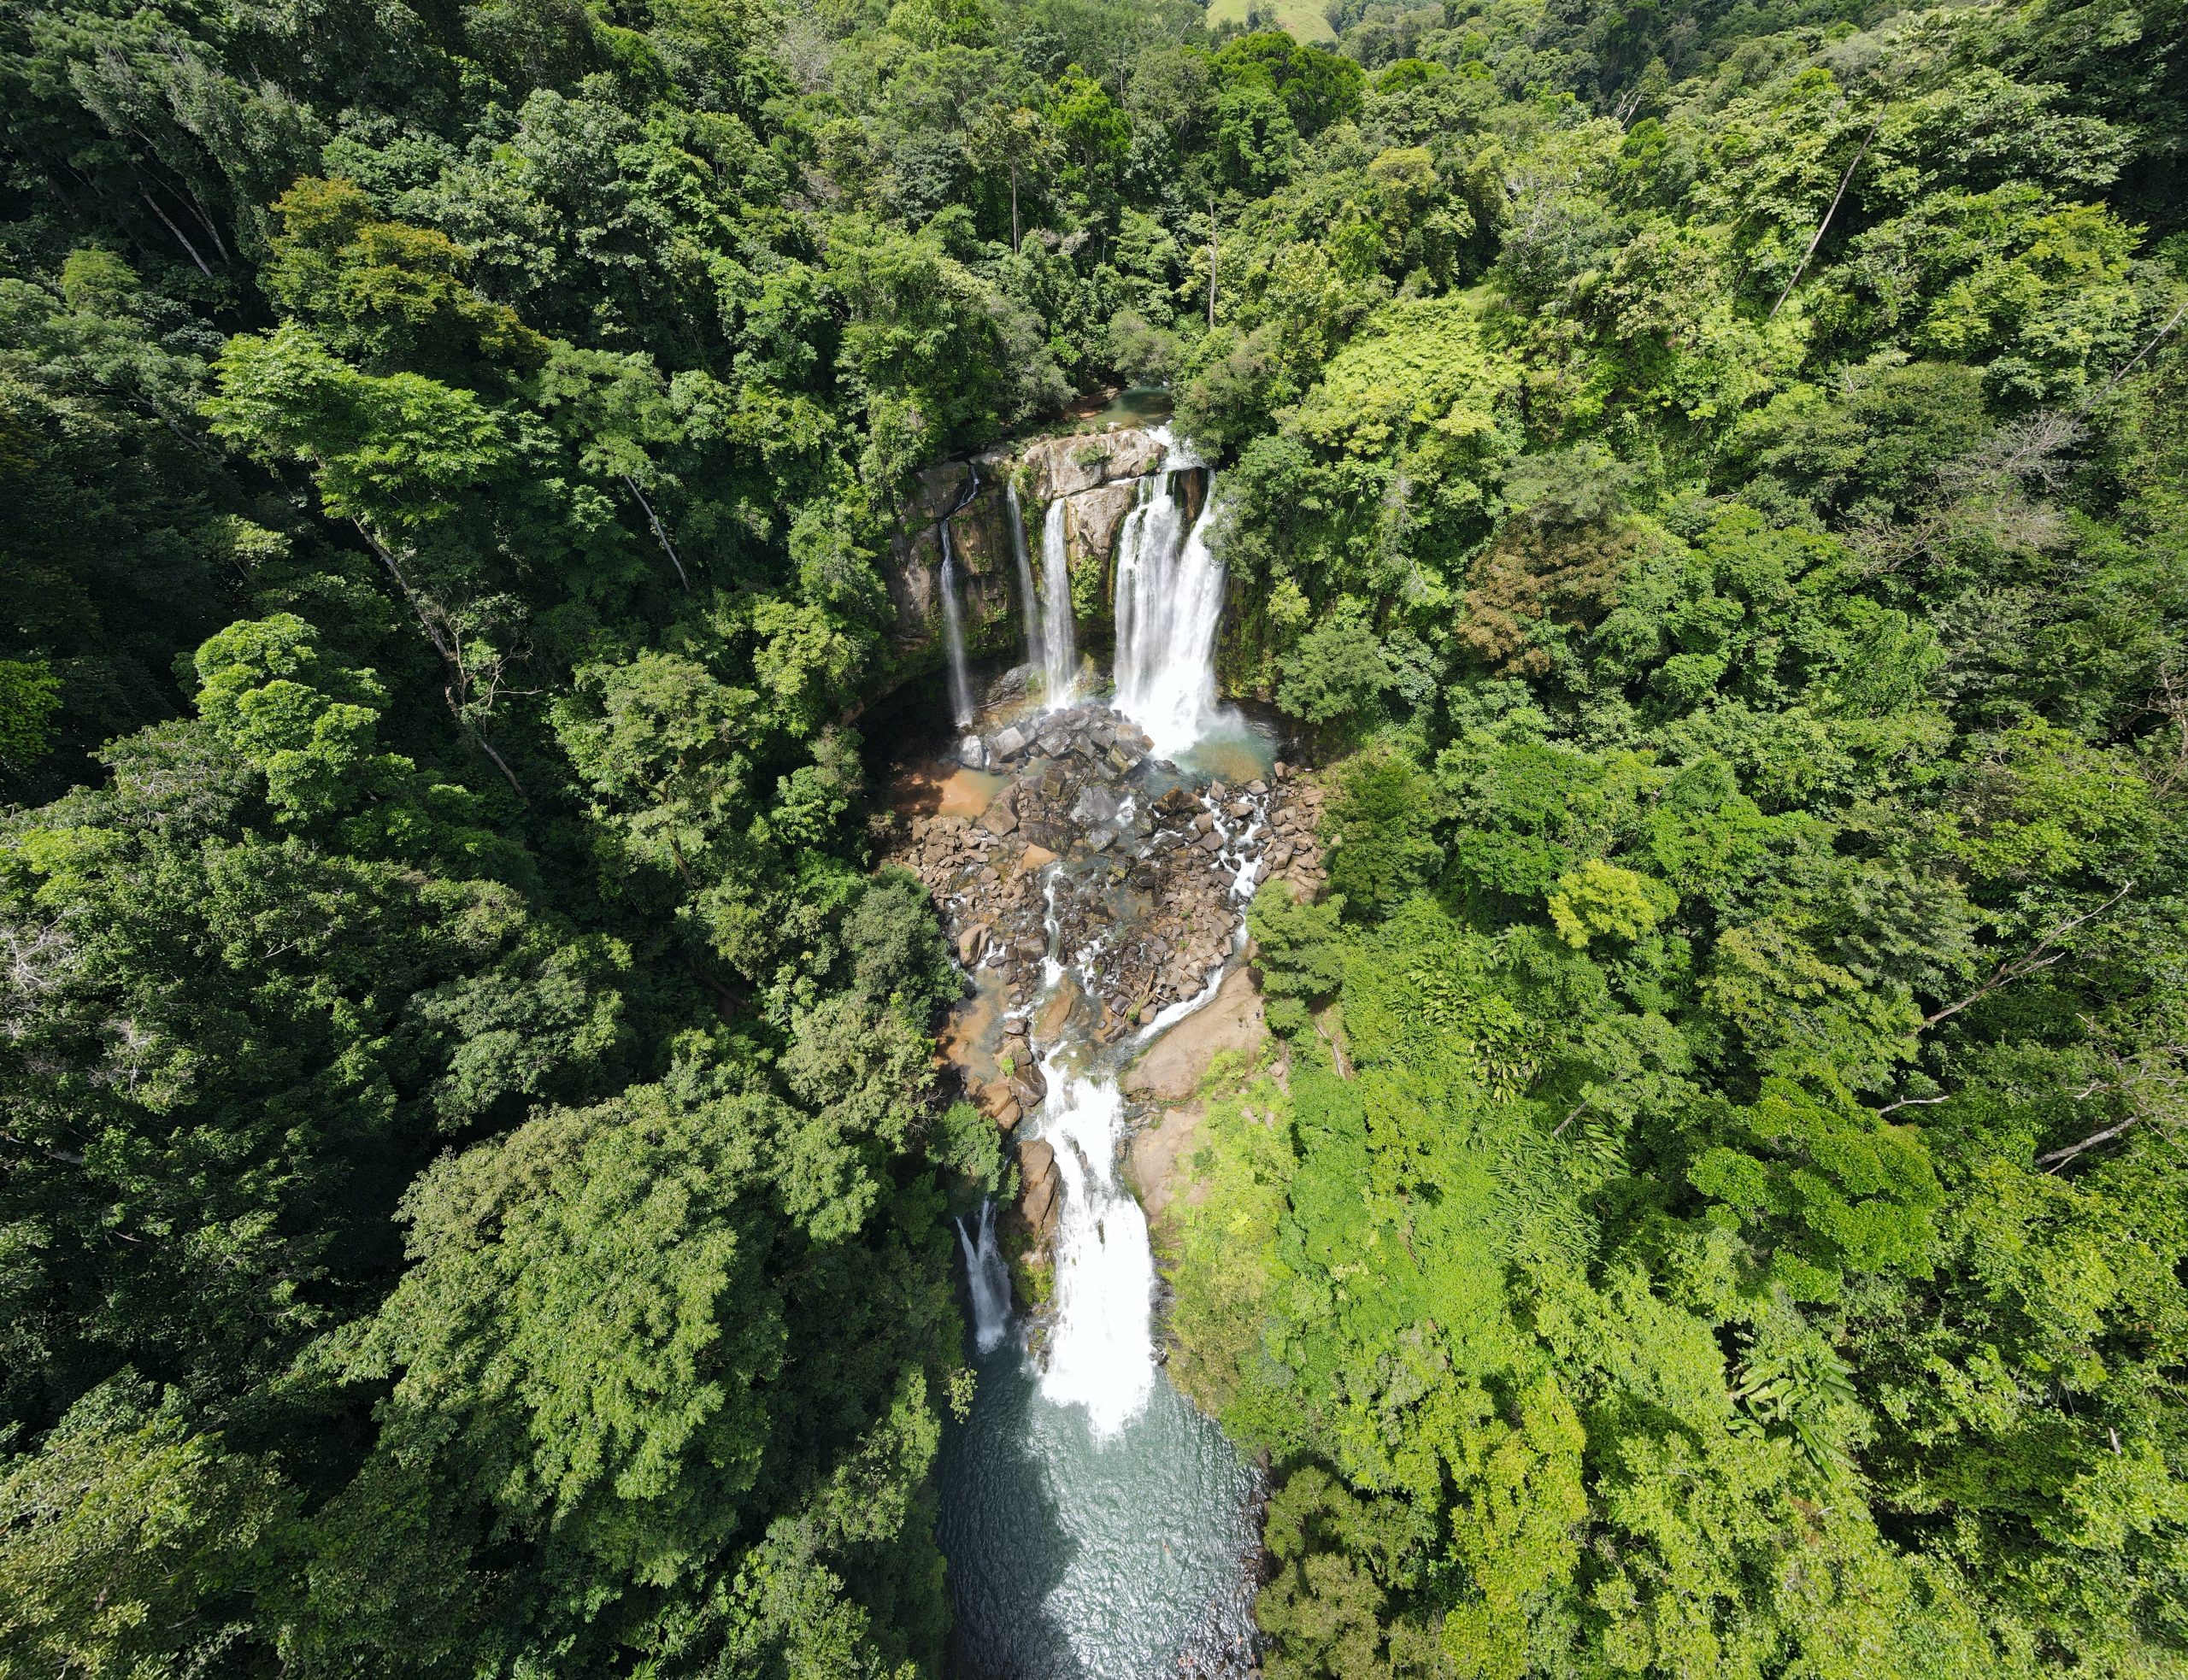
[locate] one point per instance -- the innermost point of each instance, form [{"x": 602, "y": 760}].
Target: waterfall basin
[
  {"x": 1097, "y": 1527},
  {"x": 1078, "y": 1556}
]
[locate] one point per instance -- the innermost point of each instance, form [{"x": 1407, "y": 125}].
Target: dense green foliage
[
  {"x": 1722, "y": 1210},
  {"x": 470, "y": 1182}
]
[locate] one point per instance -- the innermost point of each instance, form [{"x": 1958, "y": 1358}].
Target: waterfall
[
  {"x": 1102, "y": 1349},
  {"x": 1029, "y": 608},
  {"x": 1059, "y": 650},
  {"x": 1169, "y": 603},
  {"x": 953, "y": 629},
  {"x": 988, "y": 1280}
]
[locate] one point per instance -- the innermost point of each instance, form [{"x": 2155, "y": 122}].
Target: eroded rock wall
[{"x": 1097, "y": 476}]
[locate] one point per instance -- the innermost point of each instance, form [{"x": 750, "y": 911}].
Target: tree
[{"x": 131, "y": 1543}]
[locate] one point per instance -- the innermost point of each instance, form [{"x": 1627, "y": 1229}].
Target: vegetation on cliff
[{"x": 470, "y": 1192}]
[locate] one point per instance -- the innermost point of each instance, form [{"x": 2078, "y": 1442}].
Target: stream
[{"x": 1094, "y": 1525}]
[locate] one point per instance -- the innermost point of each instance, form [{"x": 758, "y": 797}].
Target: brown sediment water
[
  {"x": 941, "y": 789},
  {"x": 968, "y": 792},
  {"x": 974, "y": 1032}
]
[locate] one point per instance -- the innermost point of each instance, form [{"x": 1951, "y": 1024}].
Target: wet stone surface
[{"x": 1153, "y": 870}]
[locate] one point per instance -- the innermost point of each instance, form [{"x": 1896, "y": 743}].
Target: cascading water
[
  {"x": 1097, "y": 1526},
  {"x": 1169, "y": 604},
  {"x": 1101, "y": 1349},
  {"x": 988, "y": 1280},
  {"x": 953, "y": 625},
  {"x": 1029, "y": 608},
  {"x": 1059, "y": 640}
]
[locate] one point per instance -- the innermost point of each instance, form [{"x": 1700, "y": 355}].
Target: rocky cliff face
[{"x": 1096, "y": 475}]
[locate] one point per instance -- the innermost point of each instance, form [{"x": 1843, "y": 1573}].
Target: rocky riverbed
[{"x": 1097, "y": 887}]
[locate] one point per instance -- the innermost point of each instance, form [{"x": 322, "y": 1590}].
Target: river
[{"x": 1094, "y": 1525}]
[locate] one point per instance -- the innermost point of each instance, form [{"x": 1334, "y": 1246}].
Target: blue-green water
[{"x": 1074, "y": 1558}]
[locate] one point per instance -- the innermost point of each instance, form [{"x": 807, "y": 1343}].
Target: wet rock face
[
  {"x": 1073, "y": 463},
  {"x": 1097, "y": 476},
  {"x": 1154, "y": 871}
]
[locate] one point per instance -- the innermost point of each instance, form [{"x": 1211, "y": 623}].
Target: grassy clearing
[{"x": 1301, "y": 19}]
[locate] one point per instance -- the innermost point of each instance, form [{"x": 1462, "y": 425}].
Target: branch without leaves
[
  {"x": 2041, "y": 955},
  {"x": 1911, "y": 1102},
  {"x": 1824, "y": 226},
  {"x": 2151, "y": 1082},
  {"x": 181, "y": 238},
  {"x": 659, "y": 532},
  {"x": 2132, "y": 364},
  {"x": 429, "y": 614}
]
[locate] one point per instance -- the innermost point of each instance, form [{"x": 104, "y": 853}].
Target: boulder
[
  {"x": 1096, "y": 804},
  {"x": 1037, "y": 1171},
  {"x": 1001, "y": 818},
  {"x": 973, "y": 753},
  {"x": 1007, "y": 743},
  {"x": 1073, "y": 463},
  {"x": 971, "y": 943}
]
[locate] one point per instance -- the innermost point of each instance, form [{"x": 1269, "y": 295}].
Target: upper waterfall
[
  {"x": 1169, "y": 605},
  {"x": 1028, "y": 607},
  {"x": 953, "y": 629},
  {"x": 1060, "y": 650}
]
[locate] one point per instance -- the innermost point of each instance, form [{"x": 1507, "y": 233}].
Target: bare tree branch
[
  {"x": 2041, "y": 955},
  {"x": 1912, "y": 1102},
  {"x": 659, "y": 532},
  {"x": 1823, "y": 226},
  {"x": 2132, "y": 361},
  {"x": 181, "y": 238}
]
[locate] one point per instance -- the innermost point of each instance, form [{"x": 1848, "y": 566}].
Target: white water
[
  {"x": 1101, "y": 1349},
  {"x": 1097, "y": 1526},
  {"x": 953, "y": 634},
  {"x": 1169, "y": 604},
  {"x": 1029, "y": 609},
  {"x": 989, "y": 1280},
  {"x": 1059, "y": 640}
]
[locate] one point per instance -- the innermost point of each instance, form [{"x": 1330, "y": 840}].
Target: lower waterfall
[
  {"x": 1102, "y": 1349},
  {"x": 1094, "y": 1525}
]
